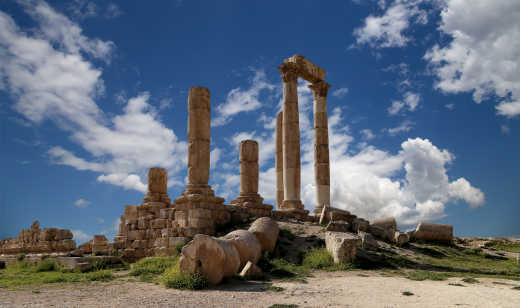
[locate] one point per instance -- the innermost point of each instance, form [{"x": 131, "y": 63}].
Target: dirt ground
[{"x": 324, "y": 289}]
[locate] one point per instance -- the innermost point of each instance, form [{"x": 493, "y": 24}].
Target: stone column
[
  {"x": 199, "y": 121},
  {"x": 291, "y": 138},
  {"x": 278, "y": 161},
  {"x": 157, "y": 186},
  {"x": 248, "y": 156},
  {"x": 321, "y": 146}
]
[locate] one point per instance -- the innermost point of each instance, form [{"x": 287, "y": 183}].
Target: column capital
[
  {"x": 289, "y": 72},
  {"x": 320, "y": 88}
]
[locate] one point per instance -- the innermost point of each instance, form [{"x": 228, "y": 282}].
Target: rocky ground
[{"x": 324, "y": 289}]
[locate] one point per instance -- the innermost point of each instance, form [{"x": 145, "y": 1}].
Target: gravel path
[{"x": 338, "y": 289}]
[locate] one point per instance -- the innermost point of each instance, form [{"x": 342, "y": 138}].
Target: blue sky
[{"x": 423, "y": 108}]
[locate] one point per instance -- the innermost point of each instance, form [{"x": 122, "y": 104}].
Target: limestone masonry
[{"x": 159, "y": 227}]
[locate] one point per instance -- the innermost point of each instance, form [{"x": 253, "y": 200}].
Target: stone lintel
[{"x": 306, "y": 69}]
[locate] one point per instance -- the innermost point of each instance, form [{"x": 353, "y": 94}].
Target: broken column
[
  {"x": 321, "y": 146},
  {"x": 198, "y": 210},
  {"x": 248, "y": 157},
  {"x": 157, "y": 186},
  {"x": 279, "y": 159},
  {"x": 291, "y": 139}
]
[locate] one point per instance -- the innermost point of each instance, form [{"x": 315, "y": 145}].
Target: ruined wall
[{"x": 35, "y": 240}]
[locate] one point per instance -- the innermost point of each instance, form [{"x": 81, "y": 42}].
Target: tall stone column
[
  {"x": 199, "y": 121},
  {"x": 198, "y": 210},
  {"x": 291, "y": 138},
  {"x": 321, "y": 146},
  {"x": 157, "y": 186},
  {"x": 278, "y": 161},
  {"x": 248, "y": 156}
]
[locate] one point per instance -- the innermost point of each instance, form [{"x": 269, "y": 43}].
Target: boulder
[
  {"x": 429, "y": 231},
  {"x": 360, "y": 224},
  {"x": 338, "y": 226},
  {"x": 247, "y": 245},
  {"x": 383, "y": 228},
  {"x": 251, "y": 272},
  {"x": 368, "y": 242},
  {"x": 213, "y": 258},
  {"x": 401, "y": 238},
  {"x": 266, "y": 230},
  {"x": 342, "y": 246}
]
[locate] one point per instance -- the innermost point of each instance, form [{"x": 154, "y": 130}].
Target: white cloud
[
  {"x": 112, "y": 11},
  {"x": 410, "y": 100},
  {"x": 405, "y": 126},
  {"x": 82, "y": 203},
  {"x": 412, "y": 185},
  {"x": 450, "y": 106},
  {"x": 239, "y": 100},
  {"x": 100, "y": 220},
  {"x": 80, "y": 236},
  {"x": 482, "y": 56},
  {"x": 367, "y": 134},
  {"x": 49, "y": 78},
  {"x": 127, "y": 181},
  {"x": 388, "y": 30},
  {"x": 215, "y": 157},
  {"x": 341, "y": 92}
]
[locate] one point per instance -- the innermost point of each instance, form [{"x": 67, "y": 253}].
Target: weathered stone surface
[
  {"x": 342, "y": 246},
  {"x": 383, "y": 228},
  {"x": 35, "y": 240},
  {"x": 368, "y": 242},
  {"x": 360, "y": 224},
  {"x": 248, "y": 157},
  {"x": 247, "y": 245},
  {"x": 338, "y": 226},
  {"x": 401, "y": 238},
  {"x": 157, "y": 186},
  {"x": 266, "y": 230},
  {"x": 429, "y": 231},
  {"x": 251, "y": 271},
  {"x": 213, "y": 258},
  {"x": 306, "y": 69},
  {"x": 279, "y": 160}
]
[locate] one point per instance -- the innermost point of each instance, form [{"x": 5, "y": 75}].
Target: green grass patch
[
  {"x": 149, "y": 269},
  {"x": 516, "y": 288},
  {"x": 472, "y": 260},
  {"x": 505, "y": 246},
  {"x": 274, "y": 288},
  {"x": 173, "y": 278},
  {"x": 470, "y": 280},
  {"x": 25, "y": 274},
  {"x": 456, "y": 284},
  {"x": 20, "y": 257},
  {"x": 407, "y": 293},
  {"x": 48, "y": 265},
  {"x": 320, "y": 258},
  {"x": 427, "y": 275}
]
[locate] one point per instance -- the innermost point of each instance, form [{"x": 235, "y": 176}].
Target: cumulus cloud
[
  {"x": 82, "y": 203},
  {"x": 413, "y": 184},
  {"x": 388, "y": 29},
  {"x": 405, "y": 126},
  {"x": 482, "y": 56},
  {"x": 341, "y": 92},
  {"x": 80, "y": 236},
  {"x": 410, "y": 100},
  {"x": 239, "y": 100},
  {"x": 50, "y": 77}
]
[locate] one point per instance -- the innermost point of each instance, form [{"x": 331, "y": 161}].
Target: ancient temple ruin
[{"x": 288, "y": 173}]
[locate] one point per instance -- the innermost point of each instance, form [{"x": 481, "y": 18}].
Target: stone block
[
  {"x": 338, "y": 226},
  {"x": 368, "y": 242},
  {"x": 158, "y": 223},
  {"x": 342, "y": 246}
]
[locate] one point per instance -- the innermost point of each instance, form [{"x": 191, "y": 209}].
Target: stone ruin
[
  {"x": 158, "y": 227},
  {"x": 35, "y": 240}
]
